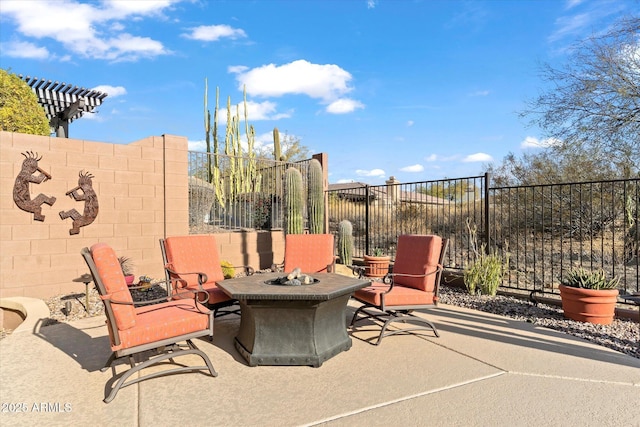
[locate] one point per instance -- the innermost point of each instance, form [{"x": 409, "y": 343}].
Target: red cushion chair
[
  {"x": 193, "y": 262},
  {"x": 160, "y": 326},
  {"x": 412, "y": 285},
  {"x": 312, "y": 253}
]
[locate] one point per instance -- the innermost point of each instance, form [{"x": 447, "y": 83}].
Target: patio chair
[
  {"x": 412, "y": 285},
  {"x": 146, "y": 335},
  {"x": 193, "y": 262},
  {"x": 312, "y": 253}
]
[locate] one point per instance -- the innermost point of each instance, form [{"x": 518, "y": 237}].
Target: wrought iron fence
[
  {"x": 549, "y": 229},
  {"x": 231, "y": 193},
  {"x": 545, "y": 229}
]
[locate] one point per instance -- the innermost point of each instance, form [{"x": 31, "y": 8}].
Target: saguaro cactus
[
  {"x": 277, "y": 154},
  {"x": 345, "y": 242},
  {"x": 315, "y": 197},
  {"x": 293, "y": 201}
]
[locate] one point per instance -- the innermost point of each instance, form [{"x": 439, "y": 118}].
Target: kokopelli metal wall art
[
  {"x": 21, "y": 194},
  {"x": 90, "y": 199}
]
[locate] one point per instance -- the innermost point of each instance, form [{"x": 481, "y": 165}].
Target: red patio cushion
[
  {"x": 112, "y": 277},
  {"x": 197, "y": 254},
  {"x": 399, "y": 295},
  {"x": 312, "y": 253},
  {"x": 162, "y": 321},
  {"x": 419, "y": 255}
]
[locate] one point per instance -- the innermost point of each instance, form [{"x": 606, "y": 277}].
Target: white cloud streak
[
  {"x": 533, "y": 142},
  {"x": 413, "y": 168},
  {"x": 112, "y": 91},
  {"x": 373, "y": 172},
  {"x": 214, "y": 33},
  {"x": 477, "y": 157}
]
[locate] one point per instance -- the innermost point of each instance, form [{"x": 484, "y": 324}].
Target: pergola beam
[{"x": 63, "y": 103}]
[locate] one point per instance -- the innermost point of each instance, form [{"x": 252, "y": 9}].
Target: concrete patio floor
[{"x": 484, "y": 370}]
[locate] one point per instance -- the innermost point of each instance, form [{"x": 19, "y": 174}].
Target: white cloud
[
  {"x": 372, "y": 172},
  {"x": 431, "y": 158},
  {"x": 344, "y": 105},
  {"x": 480, "y": 93},
  {"x": 112, "y": 91},
  {"x": 327, "y": 82},
  {"x": 214, "y": 32},
  {"x": 410, "y": 123},
  {"x": 344, "y": 181},
  {"x": 90, "y": 30},
  {"x": 24, "y": 50},
  {"x": 477, "y": 157},
  {"x": 200, "y": 145},
  {"x": 371, "y": 4},
  {"x": 533, "y": 142},
  {"x": 413, "y": 168}
]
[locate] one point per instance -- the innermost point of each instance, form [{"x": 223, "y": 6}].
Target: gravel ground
[{"x": 623, "y": 335}]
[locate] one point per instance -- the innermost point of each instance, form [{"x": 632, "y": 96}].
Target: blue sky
[{"x": 418, "y": 90}]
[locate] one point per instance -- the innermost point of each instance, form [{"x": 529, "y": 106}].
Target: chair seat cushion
[
  {"x": 162, "y": 321},
  {"x": 399, "y": 295}
]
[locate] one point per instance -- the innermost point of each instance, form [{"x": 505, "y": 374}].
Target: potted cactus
[
  {"x": 127, "y": 269},
  {"x": 377, "y": 264},
  {"x": 588, "y": 296}
]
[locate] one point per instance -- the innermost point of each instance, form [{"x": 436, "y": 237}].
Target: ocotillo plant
[
  {"x": 315, "y": 197},
  {"x": 345, "y": 242},
  {"x": 293, "y": 201}
]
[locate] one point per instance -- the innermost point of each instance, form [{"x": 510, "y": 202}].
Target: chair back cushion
[
  {"x": 417, "y": 254},
  {"x": 312, "y": 253},
  {"x": 194, "y": 254},
  {"x": 112, "y": 278}
]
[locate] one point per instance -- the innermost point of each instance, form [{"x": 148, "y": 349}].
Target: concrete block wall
[
  {"x": 142, "y": 190},
  {"x": 142, "y": 194}
]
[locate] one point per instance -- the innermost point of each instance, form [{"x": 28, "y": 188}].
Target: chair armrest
[
  {"x": 358, "y": 270},
  {"x": 248, "y": 270},
  {"x": 202, "y": 277}
]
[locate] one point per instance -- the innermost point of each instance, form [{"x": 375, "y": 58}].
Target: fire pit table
[{"x": 292, "y": 325}]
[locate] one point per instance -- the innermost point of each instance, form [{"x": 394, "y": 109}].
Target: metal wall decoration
[
  {"x": 21, "y": 194},
  {"x": 90, "y": 199}
]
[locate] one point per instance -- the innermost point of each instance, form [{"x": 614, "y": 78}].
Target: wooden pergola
[{"x": 63, "y": 103}]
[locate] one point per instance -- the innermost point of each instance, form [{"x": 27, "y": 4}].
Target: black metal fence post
[
  {"x": 366, "y": 219},
  {"x": 487, "y": 227}
]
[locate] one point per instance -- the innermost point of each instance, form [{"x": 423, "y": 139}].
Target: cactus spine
[
  {"x": 315, "y": 197},
  {"x": 293, "y": 201},
  {"x": 345, "y": 242}
]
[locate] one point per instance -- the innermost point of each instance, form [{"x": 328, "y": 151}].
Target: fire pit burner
[{"x": 299, "y": 281}]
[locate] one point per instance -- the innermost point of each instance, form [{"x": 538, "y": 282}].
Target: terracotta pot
[
  {"x": 376, "y": 266},
  {"x": 589, "y": 305}
]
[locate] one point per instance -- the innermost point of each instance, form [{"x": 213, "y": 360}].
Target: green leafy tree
[
  {"x": 592, "y": 104},
  {"x": 19, "y": 107}
]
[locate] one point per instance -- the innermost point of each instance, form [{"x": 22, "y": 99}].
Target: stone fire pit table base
[{"x": 292, "y": 325}]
